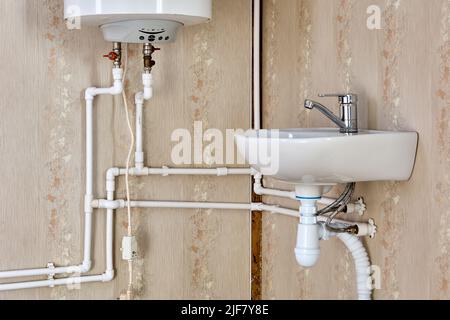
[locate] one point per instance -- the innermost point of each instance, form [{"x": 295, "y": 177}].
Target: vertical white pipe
[
  {"x": 256, "y": 64},
  {"x": 89, "y": 184},
  {"x": 109, "y": 240},
  {"x": 110, "y": 236},
  {"x": 87, "y": 242},
  {"x": 89, "y": 146},
  {"x": 139, "y": 157}
]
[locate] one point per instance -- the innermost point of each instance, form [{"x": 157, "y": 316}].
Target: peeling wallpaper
[{"x": 401, "y": 73}]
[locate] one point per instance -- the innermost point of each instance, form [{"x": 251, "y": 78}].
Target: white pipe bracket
[{"x": 51, "y": 276}]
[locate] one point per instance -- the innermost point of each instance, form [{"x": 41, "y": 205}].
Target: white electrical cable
[
  {"x": 127, "y": 182},
  {"x": 132, "y": 141}
]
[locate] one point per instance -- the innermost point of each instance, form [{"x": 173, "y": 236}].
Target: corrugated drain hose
[{"x": 362, "y": 265}]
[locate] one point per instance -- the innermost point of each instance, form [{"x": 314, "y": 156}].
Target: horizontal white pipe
[
  {"x": 365, "y": 229},
  {"x": 278, "y": 210},
  {"x": 39, "y": 272},
  {"x": 190, "y": 205},
  {"x": 103, "y": 204},
  {"x": 106, "y": 277},
  {"x": 260, "y": 190},
  {"x": 165, "y": 171}
]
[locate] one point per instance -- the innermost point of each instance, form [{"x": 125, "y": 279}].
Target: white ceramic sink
[{"x": 326, "y": 157}]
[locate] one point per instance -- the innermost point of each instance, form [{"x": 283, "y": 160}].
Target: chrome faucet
[{"x": 348, "y": 122}]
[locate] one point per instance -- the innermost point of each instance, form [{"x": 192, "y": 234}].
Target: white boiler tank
[{"x": 137, "y": 21}]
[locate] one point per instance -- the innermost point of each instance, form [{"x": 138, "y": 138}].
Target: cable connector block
[{"x": 129, "y": 248}]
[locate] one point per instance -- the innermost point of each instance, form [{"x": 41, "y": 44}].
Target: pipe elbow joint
[
  {"x": 108, "y": 276},
  {"x": 257, "y": 185},
  {"x": 86, "y": 266},
  {"x": 257, "y": 188},
  {"x": 112, "y": 173},
  {"x": 117, "y": 88},
  {"x": 90, "y": 93}
]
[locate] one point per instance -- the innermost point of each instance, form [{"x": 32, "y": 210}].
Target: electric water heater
[{"x": 137, "y": 21}]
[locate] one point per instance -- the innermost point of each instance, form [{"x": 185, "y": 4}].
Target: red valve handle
[{"x": 111, "y": 56}]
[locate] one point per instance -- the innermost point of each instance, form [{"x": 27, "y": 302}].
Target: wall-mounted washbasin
[{"x": 326, "y": 156}]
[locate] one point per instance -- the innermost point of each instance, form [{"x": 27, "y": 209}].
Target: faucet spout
[{"x": 309, "y": 104}]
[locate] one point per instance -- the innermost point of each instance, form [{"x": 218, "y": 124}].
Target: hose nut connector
[{"x": 354, "y": 230}]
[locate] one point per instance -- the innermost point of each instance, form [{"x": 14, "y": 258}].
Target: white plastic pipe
[
  {"x": 166, "y": 171},
  {"x": 89, "y": 186},
  {"x": 110, "y": 236},
  {"x": 105, "y": 277},
  {"x": 257, "y": 64},
  {"x": 362, "y": 264},
  {"x": 86, "y": 264},
  {"x": 365, "y": 229},
  {"x": 140, "y": 98},
  {"x": 186, "y": 205},
  {"x": 85, "y": 267},
  {"x": 68, "y": 281},
  {"x": 260, "y": 190},
  {"x": 139, "y": 155},
  {"x": 356, "y": 207},
  {"x": 38, "y": 272},
  {"x": 116, "y": 89},
  {"x": 91, "y": 93},
  {"x": 147, "y": 81},
  {"x": 52, "y": 282}
]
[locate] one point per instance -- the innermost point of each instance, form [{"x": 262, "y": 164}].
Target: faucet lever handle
[{"x": 344, "y": 98}]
